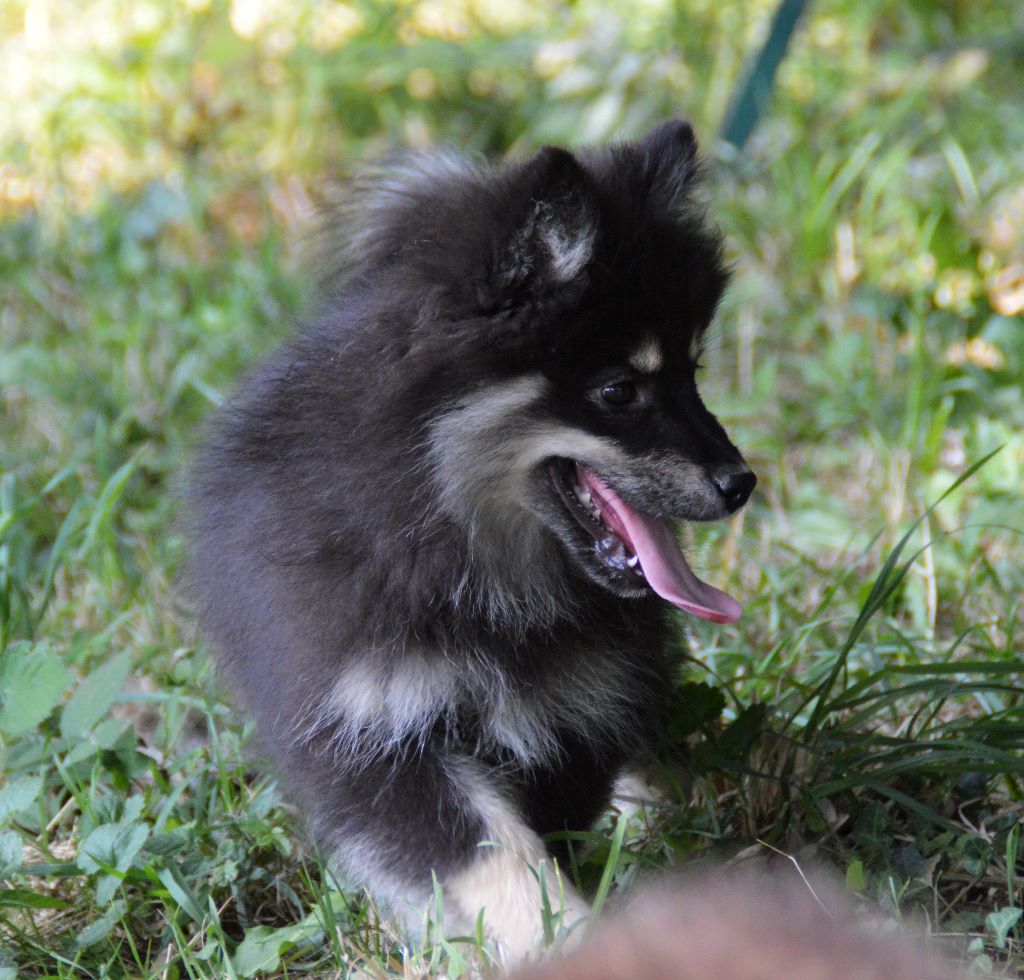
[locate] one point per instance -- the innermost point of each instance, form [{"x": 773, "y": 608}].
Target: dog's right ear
[
  {"x": 550, "y": 238},
  {"x": 667, "y": 158}
]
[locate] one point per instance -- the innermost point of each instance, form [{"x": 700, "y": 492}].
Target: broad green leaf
[
  {"x": 169, "y": 842},
  {"x": 262, "y": 947},
  {"x": 259, "y": 951},
  {"x": 739, "y": 737},
  {"x": 103, "y": 736},
  {"x": 694, "y": 705},
  {"x": 10, "y": 851},
  {"x": 94, "y": 696},
  {"x": 19, "y": 794},
  {"x": 106, "y": 888},
  {"x": 113, "y": 845},
  {"x": 102, "y": 927},
  {"x": 32, "y": 680},
  {"x": 1000, "y": 923}
]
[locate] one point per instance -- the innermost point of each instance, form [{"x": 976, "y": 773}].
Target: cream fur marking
[
  {"x": 503, "y": 880},
  {"x": 375, "y": 708},
  {"x": 506, "y": 887},
  {"x": 485, "y": 445},
  {"x": 633, "y": 790},
  {"x": 484, "y": 452},
  {"x": 647, "y": 358},
  {"x": 569, "y": 252}
]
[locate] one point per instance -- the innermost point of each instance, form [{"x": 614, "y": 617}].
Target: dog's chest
[{"x": 594, "y": 695}]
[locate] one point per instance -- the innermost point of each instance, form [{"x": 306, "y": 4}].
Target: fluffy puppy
[{"x": 433, "y": 535}]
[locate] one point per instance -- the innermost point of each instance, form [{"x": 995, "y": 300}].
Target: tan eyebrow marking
[{"x": 647, "y": 357}]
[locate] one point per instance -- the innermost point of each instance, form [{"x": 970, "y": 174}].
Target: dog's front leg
[
  {"x": 423, "y": 812},
  {"x": 512, "y": 876}
]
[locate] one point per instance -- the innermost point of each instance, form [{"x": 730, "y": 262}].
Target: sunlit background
[{"x": 879, "y": 205}]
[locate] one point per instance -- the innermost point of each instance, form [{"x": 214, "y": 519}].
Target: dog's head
[{"x": 563, "y": 306}]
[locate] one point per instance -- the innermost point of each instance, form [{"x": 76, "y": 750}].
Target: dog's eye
[{"x": 620, "y": 393}]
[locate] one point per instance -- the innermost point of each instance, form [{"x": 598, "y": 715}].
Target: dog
[{"x": 434, "y": 537}]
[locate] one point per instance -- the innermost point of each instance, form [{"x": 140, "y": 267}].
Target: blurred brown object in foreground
[{"x": 741, "y": 930}]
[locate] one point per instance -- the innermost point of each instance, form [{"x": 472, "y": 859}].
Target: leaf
[
  {"x": 114, "y": 845},
  {"x": 133, "y": 808},
  {"x": 25, "y": 898},
  {"x": 179, "y": 890},
  {"x": 1000, "y": 923},
  {"x": 94, "y": 697},
  {"x": 856, "y": 880},
  {"x": 261, "y": 949},
  {"x": 32, "y": 680},
  {"x": 103, "y": 736},
  {"x": 169, "y": 842},
  {"x": 68, "y": 529},
  {"x": 19, "y": 794},
  {"x": 907, "y": 861},
  {"x": 694, "y": 705},
  {"x": 871, "y": 828},
  {"x": 738, "y": 739},
  {"x": 10, "y": 852},
  {"x": 99, "y": 930},
  {"x": 106, "y": 888},
  {"x": 107, "y": 502}
]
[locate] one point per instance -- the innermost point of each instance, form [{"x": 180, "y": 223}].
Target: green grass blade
[
  {"x": 608, "y": 875},
  {"x": 885, "y": 583}
]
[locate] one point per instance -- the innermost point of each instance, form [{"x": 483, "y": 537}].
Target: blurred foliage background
[{"x": 162, "y": 163}]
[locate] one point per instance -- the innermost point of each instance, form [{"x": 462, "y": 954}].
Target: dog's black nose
[{"x": 735, "y": 488}]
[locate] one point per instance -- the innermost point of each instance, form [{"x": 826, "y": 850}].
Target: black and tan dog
[{"x": 434, "y": 535}]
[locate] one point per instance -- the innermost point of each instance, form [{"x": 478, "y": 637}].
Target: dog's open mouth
[{"x": 636, "y": 547}]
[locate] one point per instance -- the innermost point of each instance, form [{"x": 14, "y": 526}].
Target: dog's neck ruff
[{"x": 653, "y": 542}]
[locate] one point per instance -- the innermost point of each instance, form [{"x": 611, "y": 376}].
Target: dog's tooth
[{"x": 633, "y": 561}]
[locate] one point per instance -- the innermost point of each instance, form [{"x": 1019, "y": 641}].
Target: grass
[{"x": 866, "y": 711}]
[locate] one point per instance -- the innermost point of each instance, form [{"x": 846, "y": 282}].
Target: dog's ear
[
  {"x": 550, "y": 238},
  {"x": 667, "y": 158}
]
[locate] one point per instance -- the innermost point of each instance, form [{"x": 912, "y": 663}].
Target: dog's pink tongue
[{"x": 654, "y": 543}]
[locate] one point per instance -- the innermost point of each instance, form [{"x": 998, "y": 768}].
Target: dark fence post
[{"x": 756, "y": 89}]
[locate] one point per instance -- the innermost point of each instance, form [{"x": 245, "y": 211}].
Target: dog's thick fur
[{"x": 438, "y": 650}]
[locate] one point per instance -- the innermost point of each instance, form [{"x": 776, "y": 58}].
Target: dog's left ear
[
  {"x": 550, "y": 239},
  {"x": 541, "y": 241},
  {"x": 667, "y": 159}
]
